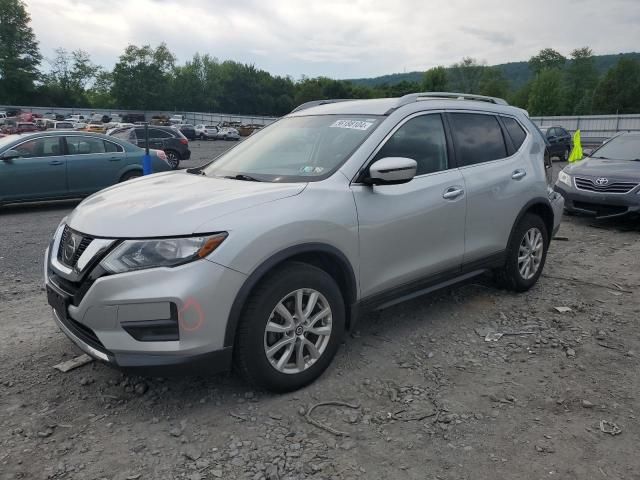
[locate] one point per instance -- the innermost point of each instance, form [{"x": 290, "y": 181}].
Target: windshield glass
[
  {"x": 623, "y": 147},
  {"x": 296, "y": 149}
]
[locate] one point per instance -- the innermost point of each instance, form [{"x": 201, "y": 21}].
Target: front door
[
  {"x": 38, "y": 173},
  {"x": 414, "y": 230}
]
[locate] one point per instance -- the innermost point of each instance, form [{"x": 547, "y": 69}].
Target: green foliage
[
  {"x": 547, "y": 59},
  {"x": 493, "y": 83},
  {"x": 619, "y": 90},
  {"x": 581, "y": 79},
  {"x": 70, "y": 76},
  {"x": 142, "y": 77},
  {"x": 435, "y": 80},
  {"x": 466, "y": 76},
  {"x": 545, "y": 97},
  {"x": 19, "y": 54}
]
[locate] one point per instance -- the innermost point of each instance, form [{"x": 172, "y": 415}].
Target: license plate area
[{"x": 58, "y": 301}]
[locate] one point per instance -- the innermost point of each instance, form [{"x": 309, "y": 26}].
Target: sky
[{"x": 338, "y": 39}]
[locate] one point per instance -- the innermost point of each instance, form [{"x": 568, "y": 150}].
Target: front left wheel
[{"x": 290, "y": 329}]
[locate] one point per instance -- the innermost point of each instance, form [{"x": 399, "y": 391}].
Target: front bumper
[
  {"x": 599, "y": 205},
  {"x": 99, "y": 318}
]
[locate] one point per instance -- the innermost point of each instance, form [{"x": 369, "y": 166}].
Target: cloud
[{"x": 340, "y": 39}]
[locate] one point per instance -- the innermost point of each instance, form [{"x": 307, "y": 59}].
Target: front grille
[
  {"x": 81, "y": 242},
  {"x": 613, "y": 187},
  {"x": 600, "y": 210}
]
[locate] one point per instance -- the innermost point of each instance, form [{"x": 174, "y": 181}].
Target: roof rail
[
  {"x": 315, "y": 103},
  {"x": 414, "y": 97}
]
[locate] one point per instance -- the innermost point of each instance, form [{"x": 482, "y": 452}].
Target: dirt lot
[{"x": 431, "y": 398}]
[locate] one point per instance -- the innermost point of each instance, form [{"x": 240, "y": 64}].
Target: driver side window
[
  {"x": 39, "y": 147},
  {"x": 421, "y": 139}
]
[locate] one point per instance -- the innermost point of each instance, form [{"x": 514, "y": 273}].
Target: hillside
[{"x": 516, "y": 73}]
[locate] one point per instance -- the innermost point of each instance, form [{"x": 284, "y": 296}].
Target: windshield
[
  {"x": 296, "y": 149},
  {"x": 623, "y": 147}
]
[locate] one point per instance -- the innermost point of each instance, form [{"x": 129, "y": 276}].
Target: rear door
[
  {"x": 412, "y": 231},
  {"x": 38, "y": 173},
  {"x": 93, "y": 163},
  {"x": 496, "y": 176}
]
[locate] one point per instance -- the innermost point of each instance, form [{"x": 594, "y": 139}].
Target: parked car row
[
  {"x": 168, "y": 139},
  {"x": 213, "y": 132}
]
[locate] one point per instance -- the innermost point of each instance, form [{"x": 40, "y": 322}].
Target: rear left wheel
[
  {"x": 172, "y": 158},
  {"x": 130, "y": 176},
  {"x": 291, "y": 328},
  {"x": 526, "y": 254}
]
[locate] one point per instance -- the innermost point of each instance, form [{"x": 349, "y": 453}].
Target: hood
[
  {"x": 628, "y": 170},
  {"x": 170, "y": 204}
]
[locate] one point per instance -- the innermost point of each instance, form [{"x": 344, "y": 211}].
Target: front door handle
[
  {"x": 452, "y": 192},
  {"x": 55, "y": 162},
  {"x": 518, "y": 174}
]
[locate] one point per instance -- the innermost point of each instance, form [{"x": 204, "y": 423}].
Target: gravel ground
[{"x": 430, "y": 398}]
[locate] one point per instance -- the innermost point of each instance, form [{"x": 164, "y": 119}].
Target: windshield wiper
[
  {"x": 242, "y": 176},
  {"x": 196, "y": 171},
  {"x": 602, "y": 158}
]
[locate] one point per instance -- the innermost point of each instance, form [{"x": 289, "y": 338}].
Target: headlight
[
  {"x": 564, "y": 178},
  {"x": 162, "y": 252}
]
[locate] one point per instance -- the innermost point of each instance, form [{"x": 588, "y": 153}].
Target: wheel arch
[
  {"x": 540, "y": 206},
  {"x": 320, "y": 255}
]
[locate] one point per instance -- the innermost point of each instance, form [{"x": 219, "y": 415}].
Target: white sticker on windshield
[{"x": 353, "y": 124}]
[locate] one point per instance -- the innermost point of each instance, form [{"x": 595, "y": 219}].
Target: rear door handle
[
  {"x": 518, "y": 174},
  {"x": 55, "y": 162},
  {"x": 114, "y": 159},
  {"x": 452, "y": 192}
]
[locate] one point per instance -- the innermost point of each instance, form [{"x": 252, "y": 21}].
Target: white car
[
  {"x": 3, "y": 117},
  {"x": 228, "y": 133},
  {"x": 206, "y": 132},
  {"x": 177, "y": 119},
  {"x": 114, "y": 126}
]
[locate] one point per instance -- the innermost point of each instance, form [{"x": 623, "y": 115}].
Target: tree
[
  {"x": 142, "y": 76},
  {"x": 70, "y": 75},
  {"x": 465, "y": 76},
  {"x": 619, "y": 90},
  {"x": 435, "y": 80},
  {"x": 19, "y": 54},
  {"x": 547, "y": 59},
  {"x": 493, "y": 83},
  {"x": 545, "y": 97},
  {"x": 581, "y": 79}
]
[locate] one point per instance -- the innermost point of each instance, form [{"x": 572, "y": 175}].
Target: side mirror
[
  {"x": 10, "y": 155},
  {"x": 391, "y": 171}
]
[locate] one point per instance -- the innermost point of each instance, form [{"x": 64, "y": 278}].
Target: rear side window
[
  {"x": 516, "y": 132},
  {"x": 478, "y": 138},
  {"x": 85, "y": 145},
  {"x": 421, "y": 139},
  {"x": 112, "y": 147},
  {"x": 156, "y": 133}
]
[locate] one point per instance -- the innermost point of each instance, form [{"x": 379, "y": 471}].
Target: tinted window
[
  {"x": 623, "y": 147},
  {"x": 562, "y": 132},
  {"x": 155, "y": 133},
  {"x": 478, "y": 138},
  {"x": 516, "y": 132},
  {"x": 84, "y": 145},
  {"x": 421, "y": 139},
  {"x": 112, "y": 147},
  {"x": 39, "y": 147}
]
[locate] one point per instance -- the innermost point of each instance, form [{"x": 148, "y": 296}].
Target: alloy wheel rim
[
  {"x": 298, "y": 331},
  {"x": 530, "y": 253}
]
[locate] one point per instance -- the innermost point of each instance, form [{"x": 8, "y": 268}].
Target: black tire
[
  {"x": 130, "y": 175},
  {"x": 202, "y": 136},
  {"x": 249, "y": 352},
  {"x": 172, "y": 158},
  {"x": 509, "y": 276}
]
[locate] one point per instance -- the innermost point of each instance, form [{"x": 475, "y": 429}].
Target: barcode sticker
[{"x": 353, "y": 124}]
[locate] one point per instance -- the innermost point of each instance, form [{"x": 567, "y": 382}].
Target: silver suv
[{"x": 265, "y": 256}]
